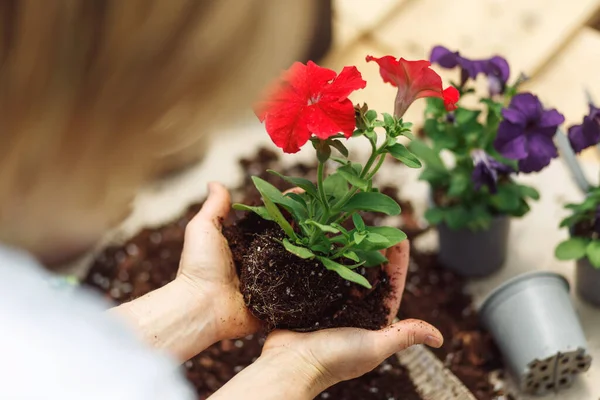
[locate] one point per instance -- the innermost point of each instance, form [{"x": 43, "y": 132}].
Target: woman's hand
[
  {"x": 301, "y": 365},
  {"x": 336, "y": 355},
  {"x": 203, "y": 305}
]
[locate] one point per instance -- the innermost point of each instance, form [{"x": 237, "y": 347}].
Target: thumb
[
  {"x": 404, "y": 334},
  {"x": 216, "y": 207}
]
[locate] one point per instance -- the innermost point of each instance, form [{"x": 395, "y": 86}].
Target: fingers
[
  {"x": 216, "y": 207},
  {"x": 397, "y": 267},
  {"x": 295, "y": 190},
  {"x": 404, "y": 334}
]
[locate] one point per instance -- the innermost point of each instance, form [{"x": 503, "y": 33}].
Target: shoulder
[{"x": 67, "y": 347}]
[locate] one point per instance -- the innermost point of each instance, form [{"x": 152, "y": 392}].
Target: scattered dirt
[{"x": 150, "y": 259}]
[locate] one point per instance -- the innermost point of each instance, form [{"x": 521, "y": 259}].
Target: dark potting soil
[
  {"x": 150, "y": 259},
  {"x": 287, "y": 292}
]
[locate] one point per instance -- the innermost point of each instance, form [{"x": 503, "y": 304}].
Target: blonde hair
[{"x": 93, "y": 92}]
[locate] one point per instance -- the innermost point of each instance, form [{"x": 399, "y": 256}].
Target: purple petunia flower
[
  {"x": 526, "y": 132},
  {"x": 496, "y": 68},
  {"x": 588, "y": 133},
  {"x": 487, "y": 170}
]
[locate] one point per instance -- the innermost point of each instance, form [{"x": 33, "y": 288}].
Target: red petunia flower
[
  {"x": 414, "y": 80},
  {"x": 309, "y": 100}
]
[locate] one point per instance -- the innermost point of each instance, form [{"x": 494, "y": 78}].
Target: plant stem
[
  {"x": 371, "y": 159},
  {"x": 341, "y": 251},
  {"x": 320, "y": 180},
  {"x": 377, "y": 166}
]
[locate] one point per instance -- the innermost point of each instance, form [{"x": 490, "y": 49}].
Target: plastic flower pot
[
  {"x": 474, "y": 253},
  {"x": 587, "y": 282},
  {"x": 537, "y": 330}
]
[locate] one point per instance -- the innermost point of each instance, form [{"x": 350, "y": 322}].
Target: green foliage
[
  {"x": 313, "y": 220},
  {"x": 458, "y": 202},
  {"x": 585, "y": 240}
]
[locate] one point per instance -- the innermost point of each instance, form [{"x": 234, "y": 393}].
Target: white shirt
[{"x": 66, "y": 347}]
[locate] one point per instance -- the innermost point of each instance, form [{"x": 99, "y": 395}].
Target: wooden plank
[
  {"x": 561, "y": 83},
  {"x": 527, "y": 32},
  {"x": 363, "y": 14}
]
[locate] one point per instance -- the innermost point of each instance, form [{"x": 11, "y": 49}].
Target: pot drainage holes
[{"x": 555, "y": 372}]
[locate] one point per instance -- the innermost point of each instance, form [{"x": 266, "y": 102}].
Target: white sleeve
[{"x": 67, "y": 348}]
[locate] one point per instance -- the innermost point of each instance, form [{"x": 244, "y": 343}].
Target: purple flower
[
  {"x": 526, "y": 132},
  {"x": 588, "y": 133},
  {"x": 496, "y": 68},
  {"x": 486, "y": 171}
]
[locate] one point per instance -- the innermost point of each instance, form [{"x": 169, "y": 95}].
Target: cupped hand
[
  {"x": 207, "y": 266},
  {"x": 334, "y": 355}
]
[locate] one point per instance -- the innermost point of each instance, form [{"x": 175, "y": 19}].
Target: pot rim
[{"x": 497, "y": 295}]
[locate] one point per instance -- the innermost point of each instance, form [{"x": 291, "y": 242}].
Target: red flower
[
  {"x": 308, "y": 100},
  {"x": 414, "y": 80}
]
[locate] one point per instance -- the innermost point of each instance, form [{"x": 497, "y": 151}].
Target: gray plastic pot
[
  {"x": 587, "y": 282},
  {"x": 537, "y": 330},
  {"x": 474, "y": 254}
]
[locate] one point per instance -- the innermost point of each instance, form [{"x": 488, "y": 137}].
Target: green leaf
[
  {"x": 260, "y": 211},
  {"x": 323, "y": 228},
  {"x": 357, "y": 168},
  {"x": 571, "y": 220},
  {"x": 302, "y": 183},
  {"x": 401, "y": 153},
  {"x": 349, "y": 174},
  {"x": 272, "y": 193},
  {"x": 371, "y": 115},
  {"x": 429, "y": 156},
  {"x": 528, "y": 191},
  {"x": 376, "y": 238},
  {"x": 339, "y": 146},
  {"x": 459, "y": 182},
  {"x": 371, "y": 258},
  {"x": 359, "y": 224},
  {"x": 335, "y": 186},
  {"x": 507, "y": 199},
  {"x": 593, "y": 252},
  {"x": 345, "y": 272},
  {"x": 388, "y": 119},
  {"x": 435, "y": 215},
  {"x": 372, "y": 201},
  {"x": 359, "y": 237},
  {"x": 435, "y": 178},
  {"x": 572, "y": 249},
  {"x": 279, "y": 218},
  {"x": 350, "y": 255},
  {"x": 298, "y": 251},
  {"x": 464, "y": 116},
  {"x": 456, "y": 217},
  {"x": 393, "y": 236}
]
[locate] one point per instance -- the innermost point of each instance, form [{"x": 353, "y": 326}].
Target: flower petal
[
  {"x": 510, "y": 141},
  {"x": 540, "y": 151},
  {"x": 515, "y": 116},
  {"x": 451, "y": 97},
  {"x": 288, "y": 127},
  {"x": 444, "y": 57},
  {"x": 585, "y": 135},
  {"x": 310, "y": 84},
  {"x": 326, "y": 119},
  {"x": 498, "y": 66},
  {"x": 345, "y": 83},
  {"x": 528, "y": 104},
  {"x": 551, "y": 118}
]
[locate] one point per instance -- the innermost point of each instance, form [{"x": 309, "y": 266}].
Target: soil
[
  {"x": 150, "y": 259},
  {"x": 287, "y": 292}
]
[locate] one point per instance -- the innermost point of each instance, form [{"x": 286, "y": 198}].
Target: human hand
[
  {"x": 333, "y": 355},
  {"x": 207, "y": 267}
]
